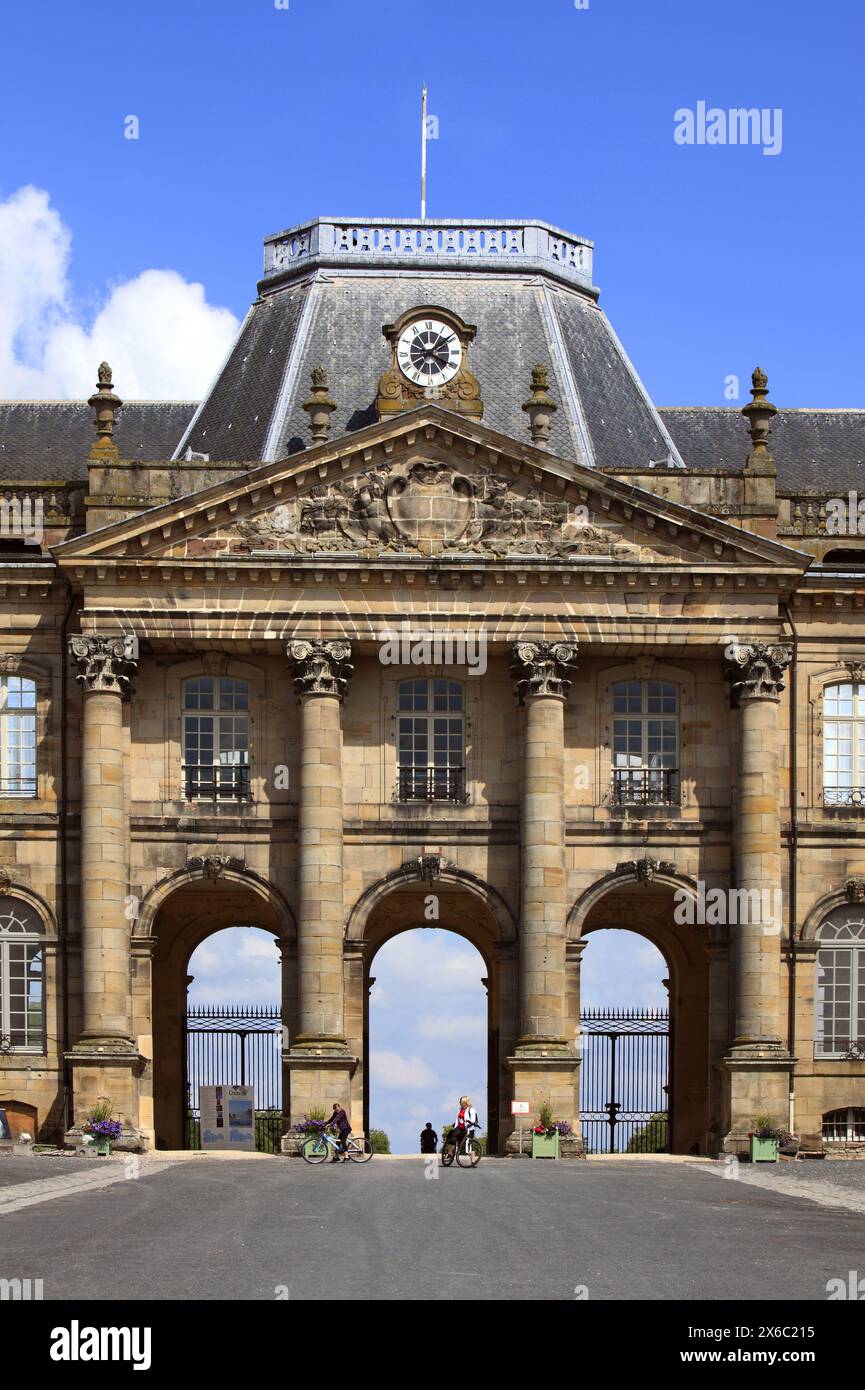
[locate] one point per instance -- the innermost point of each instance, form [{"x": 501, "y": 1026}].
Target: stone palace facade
[{"x": 426, "y": 599}]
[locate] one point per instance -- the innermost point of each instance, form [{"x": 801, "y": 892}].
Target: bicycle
[
  {"x": 468, "y": 1153},
  {"x": 316, "y": 1149}
]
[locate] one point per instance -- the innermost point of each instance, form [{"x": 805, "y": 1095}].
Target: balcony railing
[
  {"x": 207, "y": 783},
  {"x": 844, "y": 796},
  {"x": 432, "y": 784},
  {"x": 645, "y": 786}
]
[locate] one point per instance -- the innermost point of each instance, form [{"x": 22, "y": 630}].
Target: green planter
[
  {"x": 764, "y": 1150},
  {"x": 103, "y": 1147},
  {"x": 545, "y": 1145}
]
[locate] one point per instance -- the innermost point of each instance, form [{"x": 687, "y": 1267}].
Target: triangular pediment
[{"x": 427, "y": 485}]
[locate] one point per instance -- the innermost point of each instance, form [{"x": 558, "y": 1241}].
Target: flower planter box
[
  {"x": 545, "y": 1145},
  {"x": 764, "y": 1150}
]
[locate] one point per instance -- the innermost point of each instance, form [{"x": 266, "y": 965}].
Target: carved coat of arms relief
[{"x": 429, "y": 508}]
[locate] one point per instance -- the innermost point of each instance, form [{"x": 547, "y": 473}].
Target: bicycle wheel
[
  {"x": 446, "y": 1156},
  {"x": 359, "y": 1150},
  {"x": 315, "y": 1150},
  {"x": 469, "y": 1154}
]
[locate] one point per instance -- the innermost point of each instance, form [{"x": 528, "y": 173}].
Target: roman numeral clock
[{"x": 429, "y": 362}]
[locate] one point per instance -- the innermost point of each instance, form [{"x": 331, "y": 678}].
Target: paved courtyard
[{"x": 267, "y": 1228}]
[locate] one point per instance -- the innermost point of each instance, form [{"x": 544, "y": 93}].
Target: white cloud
[
  {"x": 394, "y": 1072},
  {"x": 237, "y": 966},
  {"x": 432, "y": 961},
  {"x": 158, "y": 331},
  {"x": 452, "y": 1026},
  {"x": 621, "y": 968}
]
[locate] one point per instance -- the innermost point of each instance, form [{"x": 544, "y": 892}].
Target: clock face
[{"x": 429, "y": 352}]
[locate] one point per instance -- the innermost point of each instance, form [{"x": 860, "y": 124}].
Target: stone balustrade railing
[
  {"x": 405, "y": 243},
  {"x": 803, "y": 514}
]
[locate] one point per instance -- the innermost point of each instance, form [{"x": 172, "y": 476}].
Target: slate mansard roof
[
  {"x": 815, "y": 450},
  {"x": 328, "y": 288},
  {"x": 47, "y": 441}
]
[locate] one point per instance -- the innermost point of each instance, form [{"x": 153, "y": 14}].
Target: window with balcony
[
  {"x": 17, "y": 736},
  {"x": 645, "y": 744},
  {"x": 844, "y": 744},
  {"x": 841, "y": 985},
  {"x": 22, "y": 1018},
  {"x": 431, "y": 741},
  {"x": 215, "y": 739}
]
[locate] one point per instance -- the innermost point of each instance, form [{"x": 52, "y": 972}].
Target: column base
[
  {"x": 108, "y": 1069},
  {"x": 315, "y": 1080},
  {"x": 542, "y": 1075},
  {"x": 532, "y": 1045},
  {"x": 319, "y": 1044},
  {"x": 757, "y": 1074}
]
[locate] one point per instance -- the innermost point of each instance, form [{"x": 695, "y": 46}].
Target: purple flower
[{"x": 104, "y": 1129}]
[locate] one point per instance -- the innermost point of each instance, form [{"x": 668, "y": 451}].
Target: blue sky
[{"x": 253, "y": 117}]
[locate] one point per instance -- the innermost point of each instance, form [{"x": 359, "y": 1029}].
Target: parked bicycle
[
  {"x": 468, "y": 1153},
  {"x": 319, "y": 1147}
]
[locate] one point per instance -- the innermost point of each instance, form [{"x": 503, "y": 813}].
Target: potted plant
[
  {"x": 765, "y": 1139},
  {"x": 545, "y": 1134},
  {"x": 102, "y": 1128}
]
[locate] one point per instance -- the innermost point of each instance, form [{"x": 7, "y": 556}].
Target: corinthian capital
[
  {"x": 320, "y": 668},
  {"x": 756, "y": 672},
  {"x": 105, "y": 663},
  {"x": 541, "y": 668}
]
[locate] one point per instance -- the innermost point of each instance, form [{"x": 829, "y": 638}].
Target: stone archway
[
  {"x": 641, "y": 900},
  {"x": 181, "y": 913},
  {"x": 469, "y": 908}
]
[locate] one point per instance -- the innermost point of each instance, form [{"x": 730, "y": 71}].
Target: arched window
[
  {"x": 22, "y": 1019},
  {"x": 215, "y": 739},
  {"x": 17, "y": 736},
  {"x": 844, "y": 744},
  {"x": 845, "y": 1126},
  {"x": 431, "y": 740},
  {"x": 645, "y": 743},
  {"x": 841, "y": 984}
]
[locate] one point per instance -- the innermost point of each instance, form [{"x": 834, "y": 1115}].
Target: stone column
[
  {"x": 319, "y": 1057},
  {"x": 757, "y": 1061},
  {"x": 545, "y": 1061},
  {"x": 105, "y": 1058}
]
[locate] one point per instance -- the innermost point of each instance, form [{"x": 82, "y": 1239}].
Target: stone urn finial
[
  {"x": 106, "y": 404},
  {"x": 319, "y": 406},
  {"x": 539, "y": 407},
  {"x": 759, "y": 412}
]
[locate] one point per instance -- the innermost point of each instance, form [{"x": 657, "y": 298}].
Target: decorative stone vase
[
  {"x": 545, "y": 1145},
  {"x": 764, "y": 1150}
]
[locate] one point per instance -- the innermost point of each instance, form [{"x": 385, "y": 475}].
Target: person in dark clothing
[
  {"x": 340, "y": 1122},
  {"x": 428, "y": 1139}
]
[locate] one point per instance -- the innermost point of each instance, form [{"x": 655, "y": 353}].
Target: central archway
[{"x": 455, "y": 902}]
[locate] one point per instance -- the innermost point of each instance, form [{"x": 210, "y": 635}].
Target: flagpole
[{"x": 423, "y": 156}]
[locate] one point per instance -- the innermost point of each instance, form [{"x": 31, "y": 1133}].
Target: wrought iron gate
[
  {"x": 236, "y": 1047},
  {"x": 624, "y": 1080}
]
